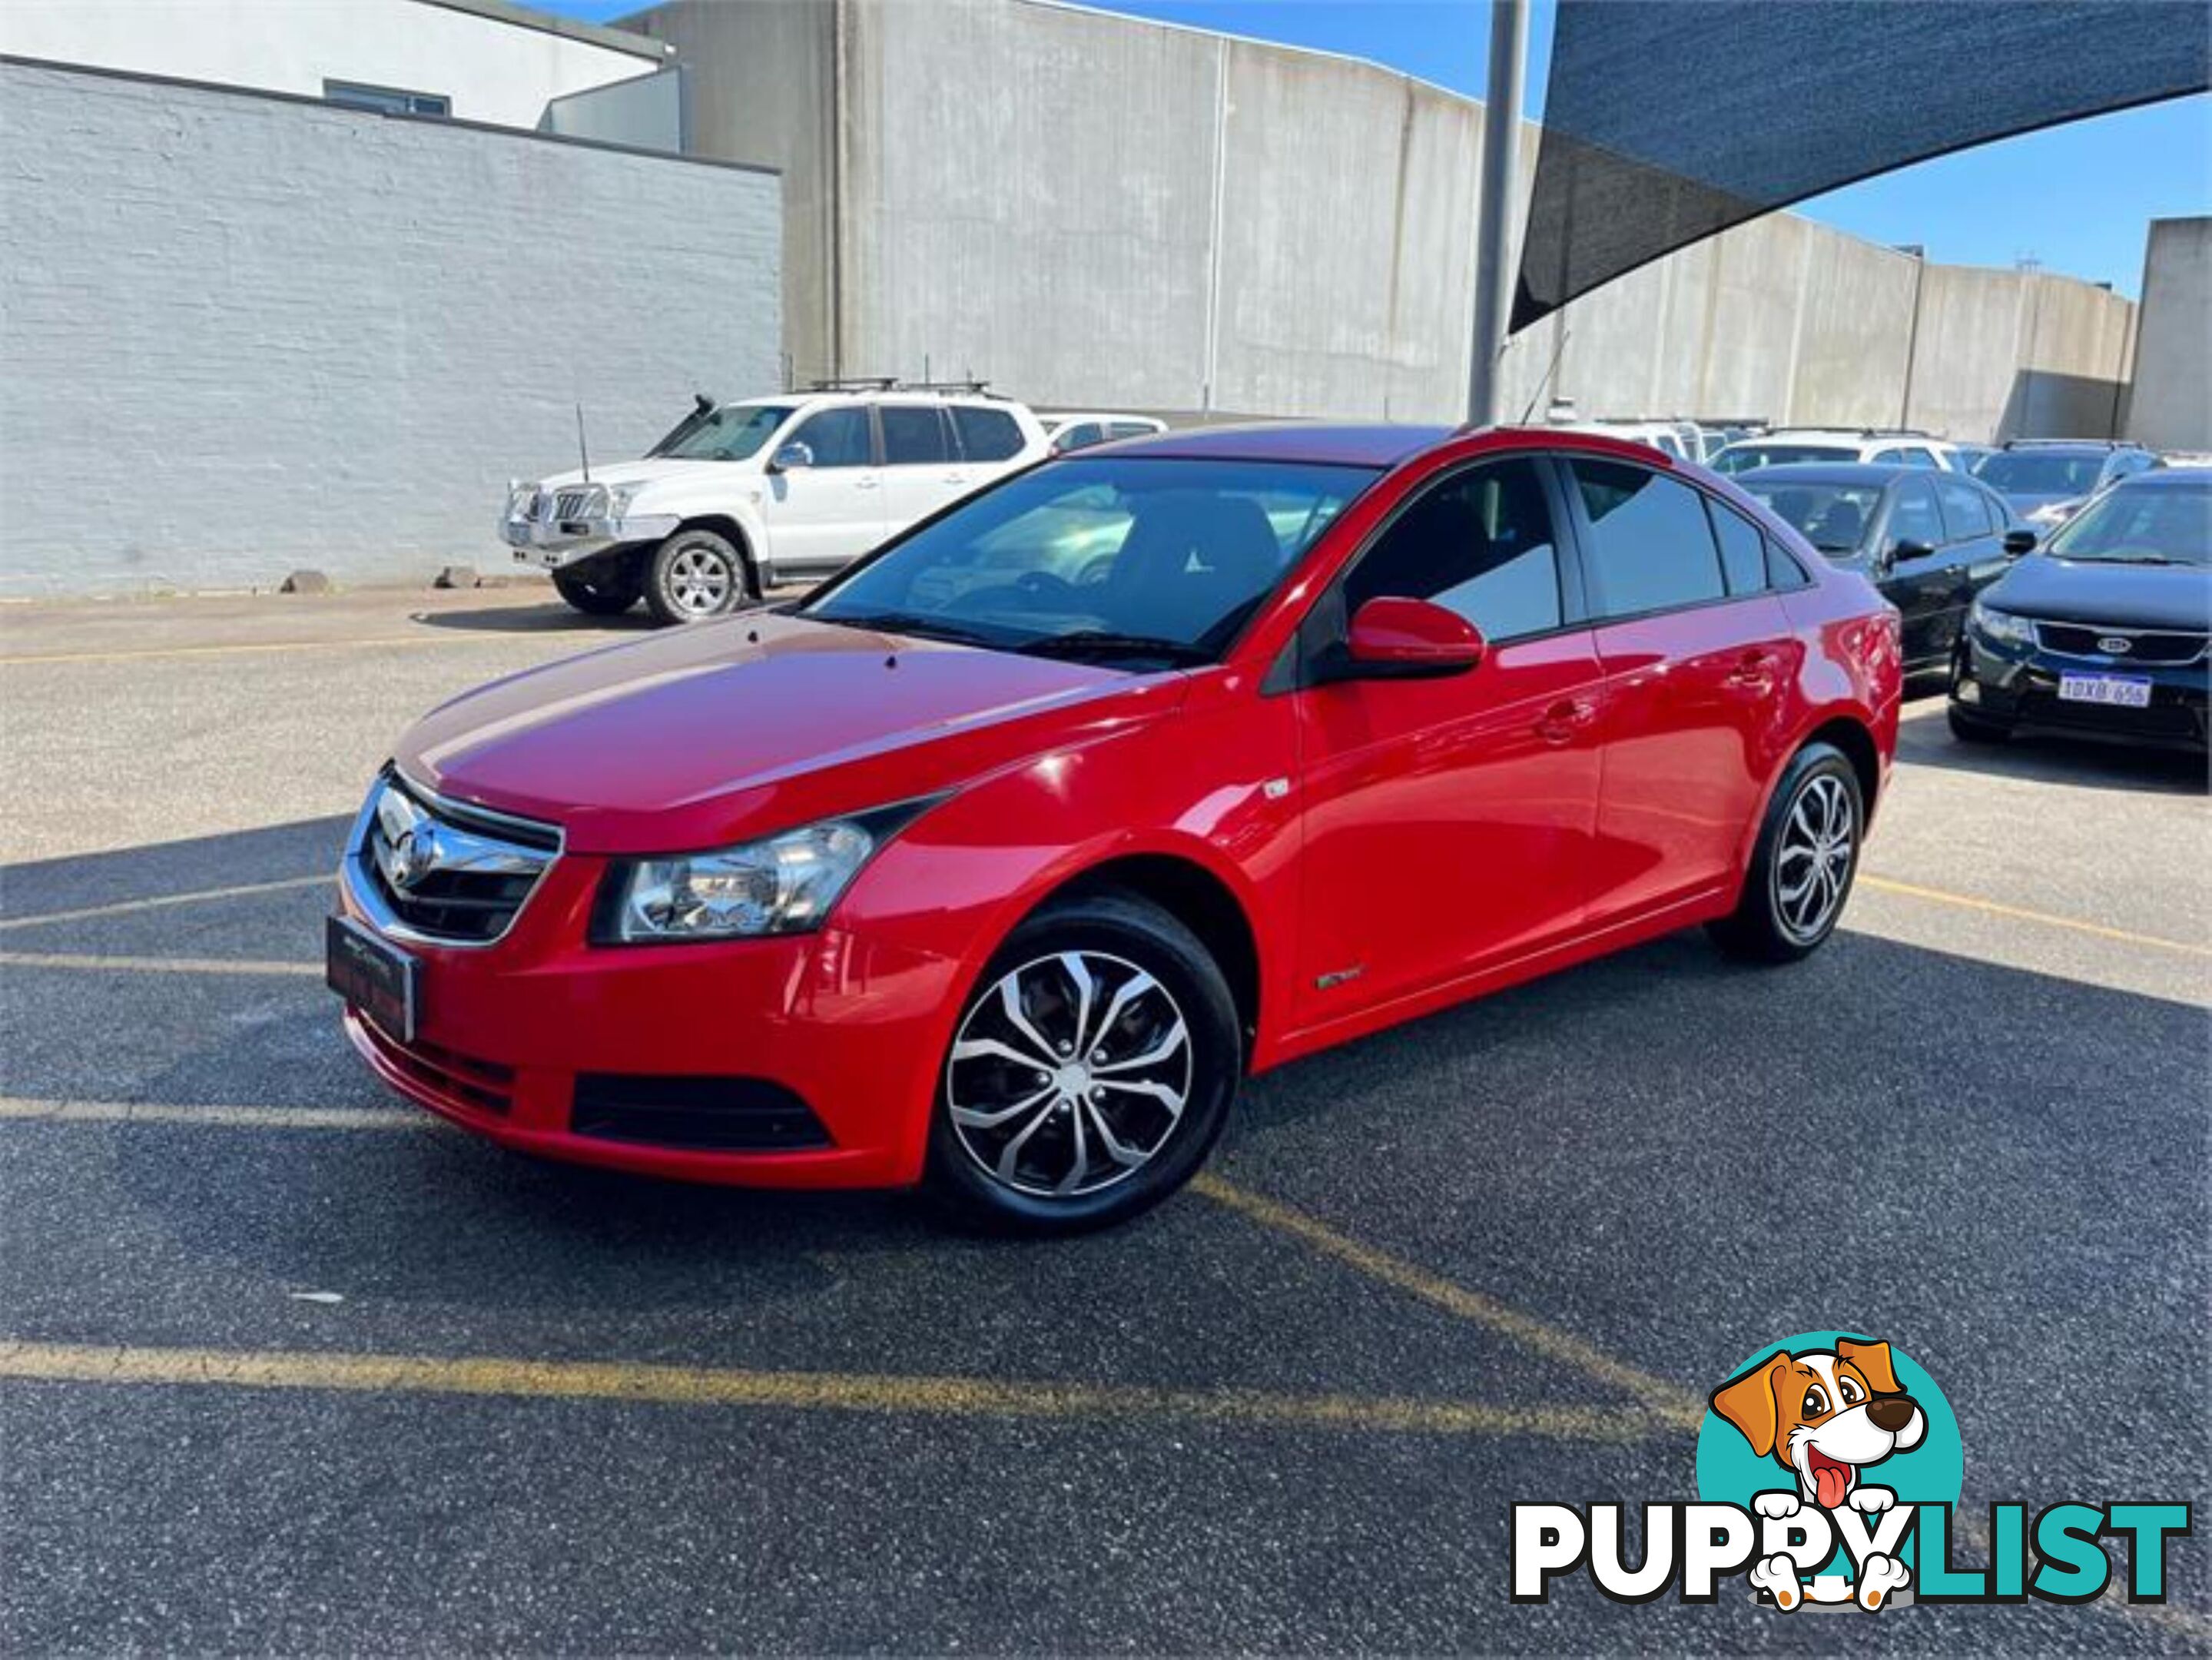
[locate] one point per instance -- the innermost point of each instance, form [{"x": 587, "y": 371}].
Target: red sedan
[{"x": 1000, "y": 859}]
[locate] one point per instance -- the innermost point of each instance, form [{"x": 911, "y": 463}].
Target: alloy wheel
[
  {"x": 1812, "y": 865},
  {"x": 1069, "y": 1074},
  {"x": 700, "y": 581}
]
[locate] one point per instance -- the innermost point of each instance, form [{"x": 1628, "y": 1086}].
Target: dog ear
[
  {"x": 1747, "y": 1402},
  {"x": 1873, "y": 1359}
]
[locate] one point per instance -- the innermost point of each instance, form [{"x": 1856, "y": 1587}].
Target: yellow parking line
[
  {"x": 21, "y": 1110},
  {"x": 1669, "y": 1403},
  {"x": 40, "y": 959},
  {"x": 160, "y": 901},
  {"x": 1990, "y": 907},
  {"x": 855, "y": 1392},
  {"x": 446, "y": 637}
]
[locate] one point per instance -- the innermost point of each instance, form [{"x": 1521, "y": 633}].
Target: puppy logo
[
  {"x": 1825, "y": 1415},
  {"x": 1822, "y": 1437}
]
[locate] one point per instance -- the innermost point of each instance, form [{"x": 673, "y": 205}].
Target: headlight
[
  {"x": 518, "y": 498},
  {"x": 2000, "y": 625},
  {"x": 783, "y": 883},
  {"x": 620, "y": 498}
]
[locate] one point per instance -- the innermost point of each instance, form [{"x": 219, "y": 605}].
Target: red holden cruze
[{"x": 1000, "y": 859}]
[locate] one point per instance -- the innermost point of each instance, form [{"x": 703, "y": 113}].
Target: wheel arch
[
  {"x": 744, "y": 537},
  {"x": 1195, "y": 896}
]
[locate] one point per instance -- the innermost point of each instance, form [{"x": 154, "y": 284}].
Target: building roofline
[{"x": 590, "y": 35}]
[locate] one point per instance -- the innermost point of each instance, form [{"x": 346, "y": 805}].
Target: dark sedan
[
  {"x": 2048, "y": 479},
  {"x": 2105, "y": 634},
  {"x": 1929, "y": 541}
]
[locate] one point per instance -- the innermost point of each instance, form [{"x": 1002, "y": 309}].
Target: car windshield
[
  {"x": 729, "y": 434},
  {"x": 2152, "y": 525},
  {"x": 1832, "y": 517},
  {"x": 1742, "y": 457},
  {"x": 2041, "y": 472},
  {"x": 1117, "y": 559}
]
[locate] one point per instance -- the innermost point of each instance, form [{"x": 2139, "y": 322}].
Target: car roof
[
  {"x": 2167, "y": 478},
  {"x": 2099, "y": 446},
  {"x": 1370, "y": 445},
  {"x": 1833, "y": 472}
]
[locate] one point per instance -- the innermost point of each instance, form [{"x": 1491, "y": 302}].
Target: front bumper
[
  {"x": 522, "y": 1040},
  {"x": 2016, "y": 688},
  {"x": 556, "y": 544}
]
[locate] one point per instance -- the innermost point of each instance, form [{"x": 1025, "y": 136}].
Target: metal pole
[{"x": 1493, "y": 224}]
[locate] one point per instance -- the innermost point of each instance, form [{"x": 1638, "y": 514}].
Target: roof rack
[{"x": 894, "y": 383}]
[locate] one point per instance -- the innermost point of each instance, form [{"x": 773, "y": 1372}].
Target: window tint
[
  {"x": 913, "y": 435},
  {"x": 1912, "y": 515},
  {"x": 1782, "y": 570},
  {"x": 1079, "y": 436},
  {"x": 986, "y": 434},
  {"x": 1479, "y": 544},
  {"x": 839, "y": 437},
  {"x": 1130, "y": 429},
  {"x": 1743, "y": 556},
  {"x": 1965, "y": 509},
  {"x": 1651, "y": 546}
]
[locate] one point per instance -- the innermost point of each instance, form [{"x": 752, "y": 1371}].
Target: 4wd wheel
[
  {"x": 1967, "y": 729},
  {"x": 604, "y": 593},
  {"x": 694, "y": 574},
  {"x": 1801, "y": 870},
  {"x": 1091, "y": 1072}
]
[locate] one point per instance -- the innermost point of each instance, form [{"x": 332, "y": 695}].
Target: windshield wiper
[
  {"x": 1101, "y": 642},
  {"x": 922, "y": 628},
  {"x": 2123, "y": 559}
]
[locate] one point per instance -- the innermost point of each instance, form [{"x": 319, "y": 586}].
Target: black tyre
[
  {"x": 605, "y": 592},
  {"x": 1968, "y": 729},
  {"x": 1091, "y": 1072},
  {"x": 1802, "y": 868},
  {"x": 696, "y": 574}
]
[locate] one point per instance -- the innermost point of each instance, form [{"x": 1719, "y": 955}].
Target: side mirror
[
  {"x": 1398, "y": 639},
  {"x": 2017, "y": 542},
  {"x": 791, "y": 458},
  {"x": 1905, "y": 548}
]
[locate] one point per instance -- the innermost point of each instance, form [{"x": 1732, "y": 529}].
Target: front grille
[
  {"x": 447, "y": 870},
  {"x": 2144, "y": 645},
  {"x": 577, "y": 503},
  {"x": 702, "y": 1114},
  {"x": 466, "y": 1082}
]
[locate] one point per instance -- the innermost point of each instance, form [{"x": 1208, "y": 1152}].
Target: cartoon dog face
[{"x": 1825, "y": 1415}]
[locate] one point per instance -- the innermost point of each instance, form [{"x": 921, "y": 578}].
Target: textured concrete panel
[
  {"x": 2171, "y": 403},
  {"x": 1854, "y": 333},
  {"x": 245, "y": 334}
]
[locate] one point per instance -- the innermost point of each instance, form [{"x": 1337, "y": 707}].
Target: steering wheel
[{"x": 1044, "y": 585}]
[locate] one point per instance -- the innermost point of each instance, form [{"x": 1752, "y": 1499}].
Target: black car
[
  {"x": 2104, "y": 634},
  {"x": 1929, "y": 541},
  {"x": 2048, "y": 479}
]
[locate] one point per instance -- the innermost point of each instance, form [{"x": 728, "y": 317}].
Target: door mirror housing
[
  {"x": 1392, "y": 638},
  {"x": 1905, "y": 548},
  {"x": 790, "y": 458},
  {"x": 2017, "y": 542}
]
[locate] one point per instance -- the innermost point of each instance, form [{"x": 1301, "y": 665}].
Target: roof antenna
[
  {"x": 583, "y": 453},
  {"x": 1551, "y": 370}
]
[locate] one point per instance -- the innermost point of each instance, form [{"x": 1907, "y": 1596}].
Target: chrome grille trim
[
  {"x": 456, "y": 840},
  {"x": 2187, "y": 644}
]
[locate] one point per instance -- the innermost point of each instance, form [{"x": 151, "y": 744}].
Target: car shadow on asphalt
[
  {"x": 1924, "y": 740},
  {"x": 552, "y": 617}
]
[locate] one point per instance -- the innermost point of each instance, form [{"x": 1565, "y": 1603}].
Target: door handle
[
  {"x": 865, "y": 484},
  {"x": 1560, "y": 722}
]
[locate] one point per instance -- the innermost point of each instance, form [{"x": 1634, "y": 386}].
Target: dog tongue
[{"x": 1834, "y": 1481}]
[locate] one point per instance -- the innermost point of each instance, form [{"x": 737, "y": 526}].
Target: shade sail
[{"x": 1668, "y": 120}]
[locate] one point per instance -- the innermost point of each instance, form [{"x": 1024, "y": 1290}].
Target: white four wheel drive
[{"x": 743, "y": 495}]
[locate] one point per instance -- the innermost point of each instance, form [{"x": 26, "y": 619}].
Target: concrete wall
[
  {"x": 496, "y": 63},
  {"x": 244, "y": 333},
  {"x": 2170, "y": 407},
  {"x": 1094, "y": 210}
]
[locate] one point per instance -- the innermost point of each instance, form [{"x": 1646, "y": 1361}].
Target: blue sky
[{"x": 2076, "y": 198}]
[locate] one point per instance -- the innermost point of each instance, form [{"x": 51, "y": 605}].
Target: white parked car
[
  {"x": 1788, "y": 445},
  {"x": 1080, "y": 431},
  {"x": 1678, "y": 439},
  {"x": 742, "y": 495}
]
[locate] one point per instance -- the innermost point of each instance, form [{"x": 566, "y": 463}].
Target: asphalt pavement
[{"x": 285, "y": 1367}]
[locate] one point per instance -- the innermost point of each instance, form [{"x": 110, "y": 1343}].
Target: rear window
[
  {"x": 986, "y": 434},
  {"x": 1651, "y": 545},
  {"x": 1834, "y": 518},
  {"x": 1742, "y": 457},
  {"x": 2042, "y": 473}
]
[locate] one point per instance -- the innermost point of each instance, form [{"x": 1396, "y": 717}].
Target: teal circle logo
[{"x": 1833, "y": 1420}]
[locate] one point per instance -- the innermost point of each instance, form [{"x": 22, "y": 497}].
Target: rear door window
[
  {"x": 1965, "y": 509},
  {"x": 1743, "y": 551},
  {"x": 1650, "y": 545},
  {"x": 914, "y": 434}
]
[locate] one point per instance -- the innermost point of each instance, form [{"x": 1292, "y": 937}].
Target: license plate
[
  {"x": 379, "y": 980},
  {"x": 2118, "y": 690}
]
